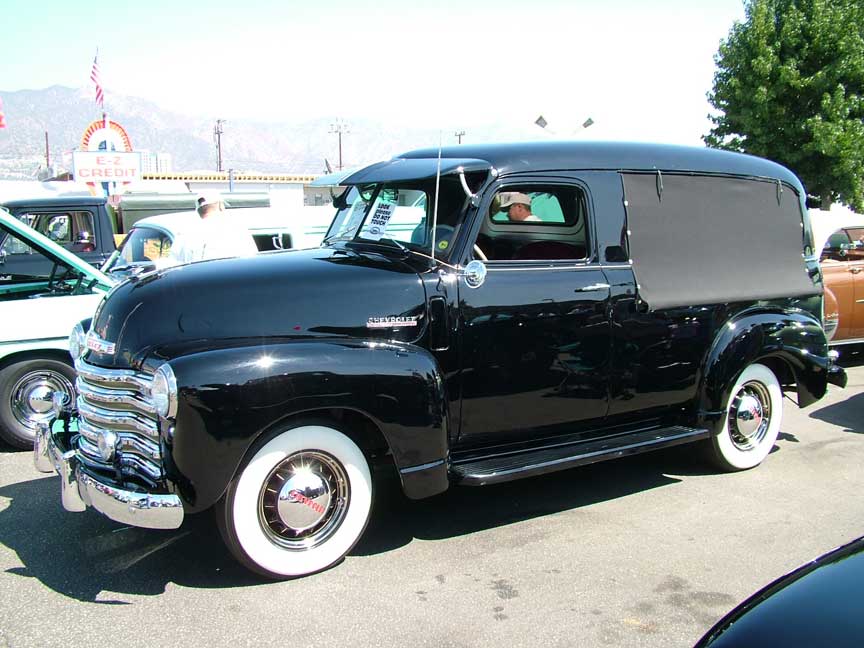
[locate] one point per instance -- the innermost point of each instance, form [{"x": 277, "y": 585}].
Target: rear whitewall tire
[
  {"x": 252, "y": 519},
  {"x": 744, "y": 443}
]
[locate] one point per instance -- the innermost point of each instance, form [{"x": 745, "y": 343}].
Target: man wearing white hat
[
  {"x": 517, "y": 205},
  {"x": 215, "y": 236}
]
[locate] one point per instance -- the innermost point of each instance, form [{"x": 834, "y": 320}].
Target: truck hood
[{"x": 273, "y": 297}]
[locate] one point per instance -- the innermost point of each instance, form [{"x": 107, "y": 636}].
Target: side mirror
[{"x": 474, "y": 273}]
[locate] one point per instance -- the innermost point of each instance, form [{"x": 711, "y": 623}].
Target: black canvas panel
[{"x": 711, "y": 240}]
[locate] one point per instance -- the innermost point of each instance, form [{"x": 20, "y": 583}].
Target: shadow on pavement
[
  {"x": 85, "y": 556},
  {"x": 848, "y": 413},
  {"x": 81, "y": 555},
  {"x": 396, "y": 520}
]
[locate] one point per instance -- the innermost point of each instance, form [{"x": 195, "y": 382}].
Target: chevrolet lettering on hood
[{"x": 391, "y": 322}]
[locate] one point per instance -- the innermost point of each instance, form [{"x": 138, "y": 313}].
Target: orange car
[{"x": 842, "y": 261}]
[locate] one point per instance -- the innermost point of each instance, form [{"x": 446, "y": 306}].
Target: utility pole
[
  {"x": 217, "y": 136},
  {"x": 339, "y": 127},
  {"x": 459, "y": 135},
  {"x": 47, "y": 152}
]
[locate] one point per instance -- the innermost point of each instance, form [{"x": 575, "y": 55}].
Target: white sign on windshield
[{"x": 378, "y": 222}]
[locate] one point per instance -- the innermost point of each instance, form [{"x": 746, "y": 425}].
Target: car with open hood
[
  {"x": 38, "y": 304},
  {"x": 474, "y": 315}
]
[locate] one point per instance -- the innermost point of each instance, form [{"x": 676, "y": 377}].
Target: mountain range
[{"x": 247, "y": 146}]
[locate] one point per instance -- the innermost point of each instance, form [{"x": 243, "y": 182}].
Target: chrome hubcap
[
  {"x": 32, "y": 396},
  {"x": 750, "y": 416},
  {"x": 304, "y": 500}
]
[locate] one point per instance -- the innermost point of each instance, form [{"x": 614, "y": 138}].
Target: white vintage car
[
  {"x": 147, "y": 246},
  {"x": 36, "y": 314}
]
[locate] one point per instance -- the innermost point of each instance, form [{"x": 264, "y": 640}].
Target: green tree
[{"x": 789, "y": 86}]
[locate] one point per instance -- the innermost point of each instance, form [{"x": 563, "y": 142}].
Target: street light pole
[
  {"x": 339, "y": 127},
  {"x": 459, "y": 135},
  {"x": 217, "y": 135}
]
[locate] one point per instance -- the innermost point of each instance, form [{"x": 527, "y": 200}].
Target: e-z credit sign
[{"x": 106, "y": 166}]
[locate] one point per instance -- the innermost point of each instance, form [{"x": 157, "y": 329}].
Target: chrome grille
[{"x": 118, "y": 400}]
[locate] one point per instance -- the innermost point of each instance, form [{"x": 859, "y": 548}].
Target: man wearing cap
[
  {"x": 216, "y": 235},
  {"x": 518, "y": 206}
]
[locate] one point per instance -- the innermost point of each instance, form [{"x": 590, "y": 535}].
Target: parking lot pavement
[{"x": 646, "y": 551}]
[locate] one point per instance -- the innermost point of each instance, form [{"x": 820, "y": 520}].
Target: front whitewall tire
[{"x": 255, "y": 541}]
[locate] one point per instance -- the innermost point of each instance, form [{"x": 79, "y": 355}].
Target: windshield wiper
[{"x": 381, "y": 243}]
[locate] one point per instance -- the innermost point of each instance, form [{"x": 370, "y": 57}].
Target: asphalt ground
[{"x": 645, "y": 551}]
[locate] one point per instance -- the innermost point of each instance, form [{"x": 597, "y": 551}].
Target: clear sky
[{"x": 639, "y": 69}]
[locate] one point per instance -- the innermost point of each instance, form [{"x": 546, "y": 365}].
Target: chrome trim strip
[
  {"x": 124, "y": 420},
  {"x": 426, "y": 466},
  {"x": 110, "y": 396},
  {"x": 143, "y": 447},
  {"x": 141, "y": 454},
  {"x": 91, "y": 373},
  {"x": 91, "y": 450},
  {"x": 140, "y": 465},
  {"x": 544, "y": 267},
  {"x": 89, "y": 431},
  {"x": 842, "y": 342}
]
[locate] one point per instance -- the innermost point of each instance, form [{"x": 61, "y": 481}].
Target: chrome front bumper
[{"x": 78, "y": 490}]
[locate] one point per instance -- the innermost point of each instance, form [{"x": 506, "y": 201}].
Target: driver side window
[{"x": 535, "y": 222}]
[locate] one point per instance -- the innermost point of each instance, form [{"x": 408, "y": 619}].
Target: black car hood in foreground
[
  {"x": 818, "y": 604},
  {"x": 271, "y": 297}
]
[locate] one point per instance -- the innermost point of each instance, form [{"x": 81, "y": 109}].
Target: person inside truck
[
  {"x": 517, "y": 205},
  {"x": 216, "y": 235}
]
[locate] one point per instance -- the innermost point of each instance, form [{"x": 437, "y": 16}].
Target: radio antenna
[{"x": 435, "y": 209}]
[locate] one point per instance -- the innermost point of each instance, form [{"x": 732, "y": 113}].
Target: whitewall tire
[
  {"x": 299, "y": 504},
  {"x": 26, "y": 390},
  {"x": 752, "y": 420}
]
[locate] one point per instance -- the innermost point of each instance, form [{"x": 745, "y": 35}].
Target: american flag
[
  {"x": 94, "y": 77},
  {"x": 2, "y": 116}
]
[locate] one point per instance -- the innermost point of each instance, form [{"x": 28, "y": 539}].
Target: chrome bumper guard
[
  {"x": 78, "y": 490},
  {"x": 836, "y": 373}
]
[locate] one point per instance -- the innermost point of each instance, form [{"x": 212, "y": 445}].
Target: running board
[{"x": 503, "y": 468}]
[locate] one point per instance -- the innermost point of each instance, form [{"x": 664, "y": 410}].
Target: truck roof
[
  {"x": 619, "y": 156},
  {"x": 55, "y": 201}
]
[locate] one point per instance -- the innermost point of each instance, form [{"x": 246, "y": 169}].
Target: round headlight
[
  {"x": 77, "y": 342},
  {"x": 164, "y": 391}
]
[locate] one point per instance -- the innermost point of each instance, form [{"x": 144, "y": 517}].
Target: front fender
[
  {"x": 796, "y": 338},
  {"x": 228, "y": 398}
]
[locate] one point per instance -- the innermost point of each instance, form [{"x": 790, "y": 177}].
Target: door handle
[
  {"x": 854, "y": 270},
  {"x": 593, "y": 287}
]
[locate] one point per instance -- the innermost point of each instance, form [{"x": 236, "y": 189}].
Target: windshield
[
  {"x": 143, "y": 245},
  {"x": 399, "y": 214},
  {"x": 26, "y": 272}
]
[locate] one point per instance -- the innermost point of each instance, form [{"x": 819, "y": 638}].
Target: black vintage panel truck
[{"x": 475, "y": 315}]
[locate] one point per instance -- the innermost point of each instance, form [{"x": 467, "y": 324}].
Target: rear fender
[
  {"x": 231, "y": 398},
  {"x": 792, "y": 344}
]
